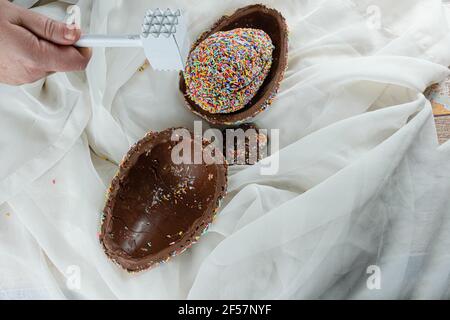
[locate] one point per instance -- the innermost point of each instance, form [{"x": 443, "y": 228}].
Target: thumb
[{"x": 48, "y": 29}]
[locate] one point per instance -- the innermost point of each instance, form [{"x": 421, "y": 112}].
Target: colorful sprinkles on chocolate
[{"x": 225, "y": 71}]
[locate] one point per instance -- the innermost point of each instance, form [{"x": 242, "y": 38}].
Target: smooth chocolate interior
[{"x": 156, "y": 208}]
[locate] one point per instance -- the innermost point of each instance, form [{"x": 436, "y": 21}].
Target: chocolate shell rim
[
  {"x": 112, "y": 191},
  {"x": 254, "y": 107}
]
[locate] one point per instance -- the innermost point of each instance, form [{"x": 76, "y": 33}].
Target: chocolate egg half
[
  {"x": 156, "y": 208},
  {"x": 258, "y": 17}
]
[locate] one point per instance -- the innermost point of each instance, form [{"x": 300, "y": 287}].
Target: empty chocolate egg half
[
  {"x": 253, "y": 65},
  {"x": 156, "y": 207}
]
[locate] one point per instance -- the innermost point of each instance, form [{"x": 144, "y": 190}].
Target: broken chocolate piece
[{"x": 245, "y": 144}]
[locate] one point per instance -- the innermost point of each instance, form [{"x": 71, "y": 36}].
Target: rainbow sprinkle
[{"x": 224, "y": 72}]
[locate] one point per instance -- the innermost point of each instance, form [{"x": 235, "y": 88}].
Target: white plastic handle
[{"x": 109, "y": 41}]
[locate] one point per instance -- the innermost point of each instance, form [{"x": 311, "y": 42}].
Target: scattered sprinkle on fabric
[{"x": 224, "y": 72}]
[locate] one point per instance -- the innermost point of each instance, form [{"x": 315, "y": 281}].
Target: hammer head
[{"x": 164, "y": 39}]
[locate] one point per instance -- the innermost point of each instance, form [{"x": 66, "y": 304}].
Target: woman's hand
[{"x": 33, "y": 46}]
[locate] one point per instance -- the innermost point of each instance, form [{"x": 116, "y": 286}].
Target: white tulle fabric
[{"x": 362, "y": 179}]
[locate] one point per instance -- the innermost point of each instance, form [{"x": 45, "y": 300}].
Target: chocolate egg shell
[
  {"x": 156, "y": 209},
  {"x": 257, "y": 17}
]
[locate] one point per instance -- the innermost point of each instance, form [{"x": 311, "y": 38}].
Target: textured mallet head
[
  {"x": 157, "y": 23},
  {"x": 164, "y": 39}
]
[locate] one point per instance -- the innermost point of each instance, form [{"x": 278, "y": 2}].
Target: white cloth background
[{"x": 362, "y": 179}]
